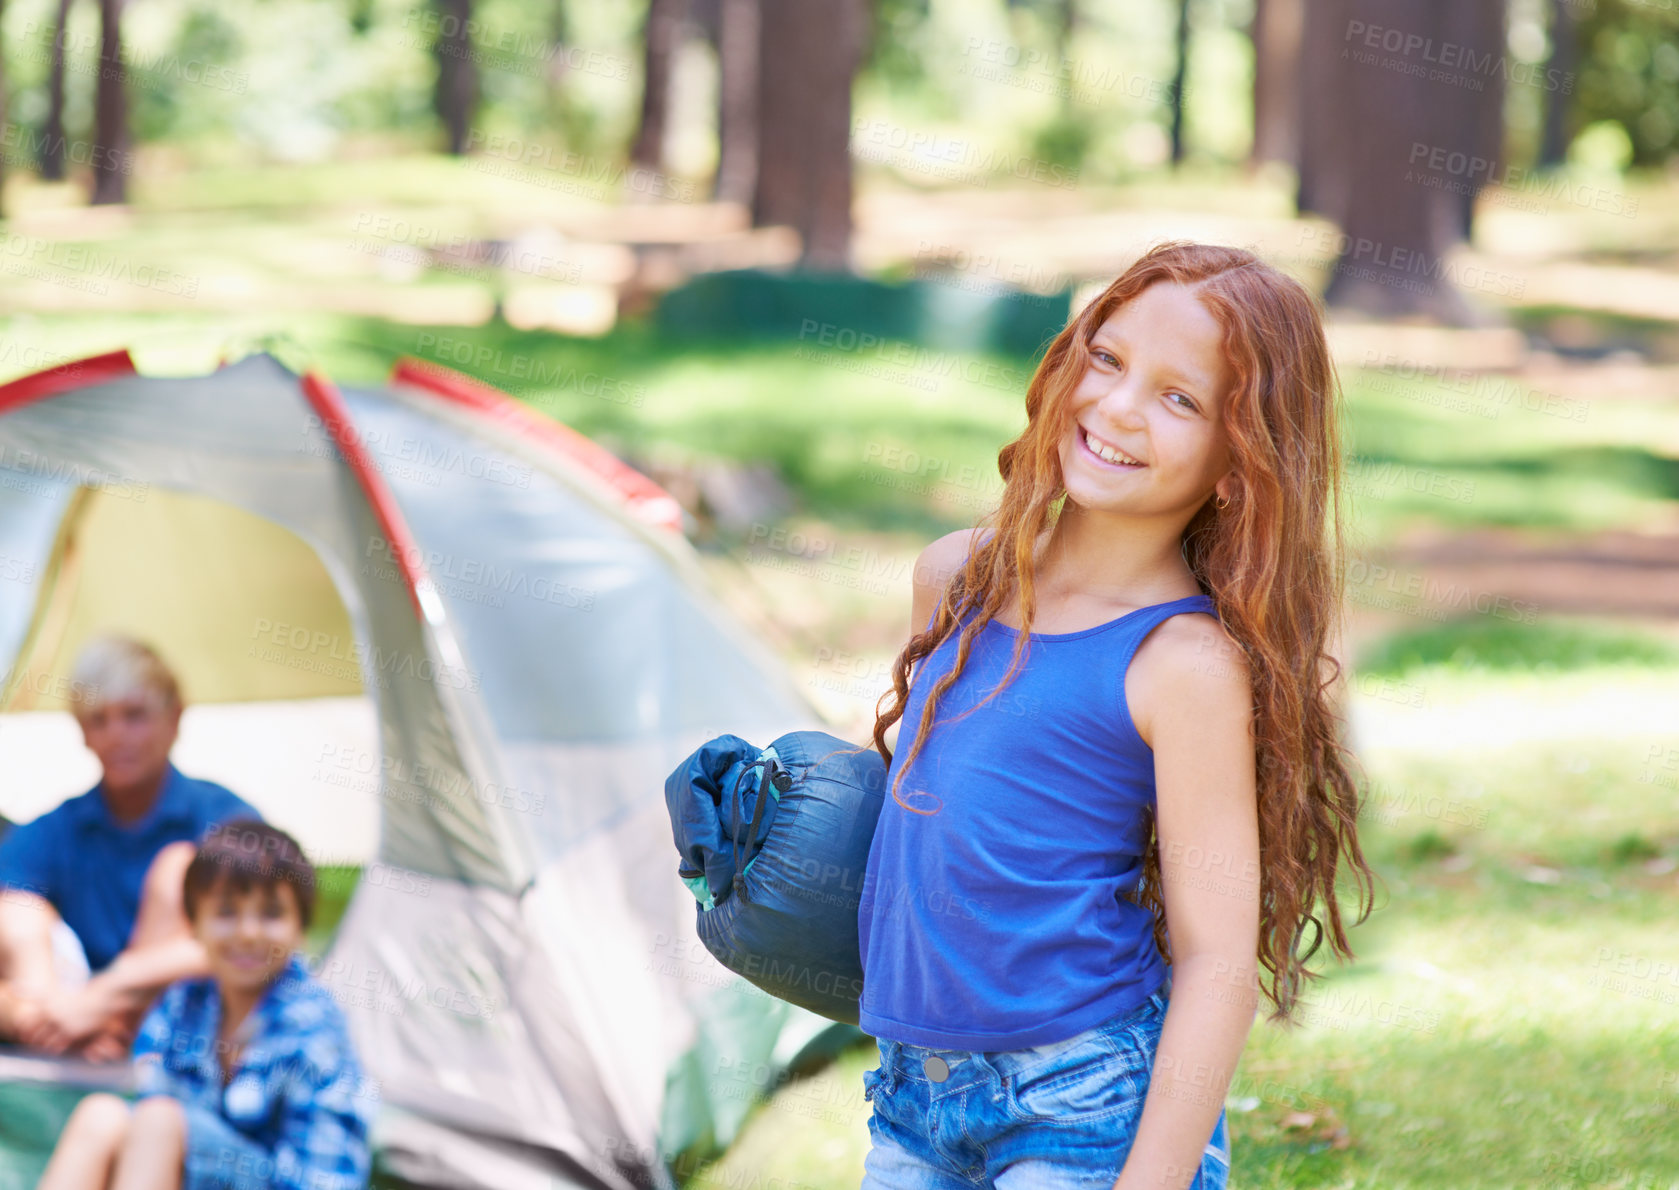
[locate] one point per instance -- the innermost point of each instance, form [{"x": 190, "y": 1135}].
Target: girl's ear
[{"x": 1226, "y": 488}]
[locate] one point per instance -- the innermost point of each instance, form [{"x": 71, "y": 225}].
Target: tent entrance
[
  {"x": 240, "y": 607},
  {"x": 248, "y": 617}
]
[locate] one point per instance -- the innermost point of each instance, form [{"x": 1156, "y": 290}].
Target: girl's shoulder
[
  {"x": 1185, "y": 662},
  {"x": 937, "y": 565},
  {"x": 952, "y": 550}
]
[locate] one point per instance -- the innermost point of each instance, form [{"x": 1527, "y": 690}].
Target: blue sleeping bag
[{"x": 774, "y": 844}]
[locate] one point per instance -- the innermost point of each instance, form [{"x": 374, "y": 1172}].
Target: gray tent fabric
[{"x": 542, "y": 1014}]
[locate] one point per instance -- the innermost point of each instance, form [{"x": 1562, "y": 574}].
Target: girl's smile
[{"x": 1107, "y": 453}]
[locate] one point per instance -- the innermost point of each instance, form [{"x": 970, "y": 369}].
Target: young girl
[{"x": 1124, "y": 792}]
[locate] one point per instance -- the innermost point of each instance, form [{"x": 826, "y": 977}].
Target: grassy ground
[{"x": 1510, "y": 1018}]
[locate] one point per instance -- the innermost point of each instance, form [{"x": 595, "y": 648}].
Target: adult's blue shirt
[{"x": 91, "y": 867}]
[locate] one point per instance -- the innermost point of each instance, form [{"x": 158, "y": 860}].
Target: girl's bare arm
[{"x": 1199, "y": 720}]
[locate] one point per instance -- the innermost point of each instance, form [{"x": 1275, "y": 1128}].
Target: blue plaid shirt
[{"x": 298, "y": 1091}]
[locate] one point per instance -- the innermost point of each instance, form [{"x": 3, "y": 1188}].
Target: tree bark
[
  {"x": 2, "y": 106},
  {"x": 1180, "y": 76},
  {"x": 457, "y": 73},
  {"x": 1276, "y": 81},
  {"x": 660, "y": 40},
  {"x": 1478, "y": 129},
  {"x": 561, "y": 27},
  {"x": 110, "y": 111},
  {"x": 51, "y": 162},
  {"x": 1322, "y": 139},
  {"x": 1565, "y": 57},
  {"x": 737, "y": 101},
  {"x": 807, "y": 56},
  {"x": 1410, "y": 84}
]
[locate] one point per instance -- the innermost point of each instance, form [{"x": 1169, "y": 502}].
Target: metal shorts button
[{"x": 937, "y": 1068}]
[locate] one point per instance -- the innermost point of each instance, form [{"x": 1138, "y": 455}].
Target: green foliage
[
  {"x": 1430, "y": 844},
  {"x": 895, "y": 52},
  {"x": 1633, "y": 848},
  {"x": 1629, "y": 73},
  {"x": 1065, "y": 139}
]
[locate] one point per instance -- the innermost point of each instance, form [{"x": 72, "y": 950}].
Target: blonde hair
[{"x": 110, "y": 667}]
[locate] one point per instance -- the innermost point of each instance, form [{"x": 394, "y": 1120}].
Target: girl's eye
[
  {"x": 1187, "y": 403},
  {"x": 1106, "y": 357}
]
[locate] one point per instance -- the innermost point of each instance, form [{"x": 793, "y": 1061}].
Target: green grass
[
  {"x": 334, "y": 885},
  {"x": 1484, "y": 643}
]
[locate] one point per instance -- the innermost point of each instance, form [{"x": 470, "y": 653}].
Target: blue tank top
[{"x": 997, "y": 922}]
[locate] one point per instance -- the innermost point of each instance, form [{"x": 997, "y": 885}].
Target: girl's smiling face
[{"x": 1153, "y": 392}]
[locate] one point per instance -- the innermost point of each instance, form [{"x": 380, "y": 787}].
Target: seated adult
[{"x": 92, "y": 923}]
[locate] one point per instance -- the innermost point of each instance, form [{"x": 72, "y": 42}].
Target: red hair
[{"x": 1271, "y": 561}]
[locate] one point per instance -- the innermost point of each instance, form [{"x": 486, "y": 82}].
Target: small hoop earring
[{"x": 1222, "y": 502}]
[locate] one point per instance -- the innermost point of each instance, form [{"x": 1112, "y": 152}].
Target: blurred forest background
[{"x": 796, "y": 258}]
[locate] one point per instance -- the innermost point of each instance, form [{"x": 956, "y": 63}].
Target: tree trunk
[
  {"x": 1321, "y": 141},
  {"x": 52, "y": 143},
  {"x": 2, "y": 109},
  {"x": 737, "y": 101},
  {"x": 110, "y": 111},
  {"x": 561, "y": 26},
  {"x": 1413, "y": 82},
  {"x": 661, "y": 39},
  {"x": 1565, "y": 56},
  {"x": 1180, "y": 76},
  {"x": 1066, "y": 24},
  {"x": 457, "y": 73},
  {"x": 1476, "y": 130},
  {"x": 1276, "y": 81},
  {"x": 807, "y": 56}
]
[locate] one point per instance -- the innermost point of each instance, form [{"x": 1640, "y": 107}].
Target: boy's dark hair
[{"x": 252, "y": 854}]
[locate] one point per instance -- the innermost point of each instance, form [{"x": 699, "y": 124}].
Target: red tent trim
[
  {"x": 328, "y": 404},
  {"x": 49, "y": 382},
  {"x": 646, "y": 500}
]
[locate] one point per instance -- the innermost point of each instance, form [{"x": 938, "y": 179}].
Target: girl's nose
[{"x": 1121, "y": 404}]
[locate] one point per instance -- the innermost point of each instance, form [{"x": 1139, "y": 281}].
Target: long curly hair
[{"x": 1272, "y": 561}]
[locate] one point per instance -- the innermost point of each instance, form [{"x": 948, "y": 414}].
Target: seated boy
[{"x": 247, "y": 1079}]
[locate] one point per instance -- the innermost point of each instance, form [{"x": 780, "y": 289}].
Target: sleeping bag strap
[{"x": 772, "y": 772}]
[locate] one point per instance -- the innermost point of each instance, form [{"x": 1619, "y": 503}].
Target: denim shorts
[
  {"x": 1063, "y": 1114},
  {"x": 220, "y": 1157}
]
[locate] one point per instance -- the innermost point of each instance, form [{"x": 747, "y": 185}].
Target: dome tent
[{"x": 541, "y": 647}]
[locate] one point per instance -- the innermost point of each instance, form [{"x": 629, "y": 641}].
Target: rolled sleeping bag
[{"x": 774, "y": 845}]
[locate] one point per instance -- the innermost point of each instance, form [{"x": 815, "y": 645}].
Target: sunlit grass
[{"x": 1491, "y": 643}]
